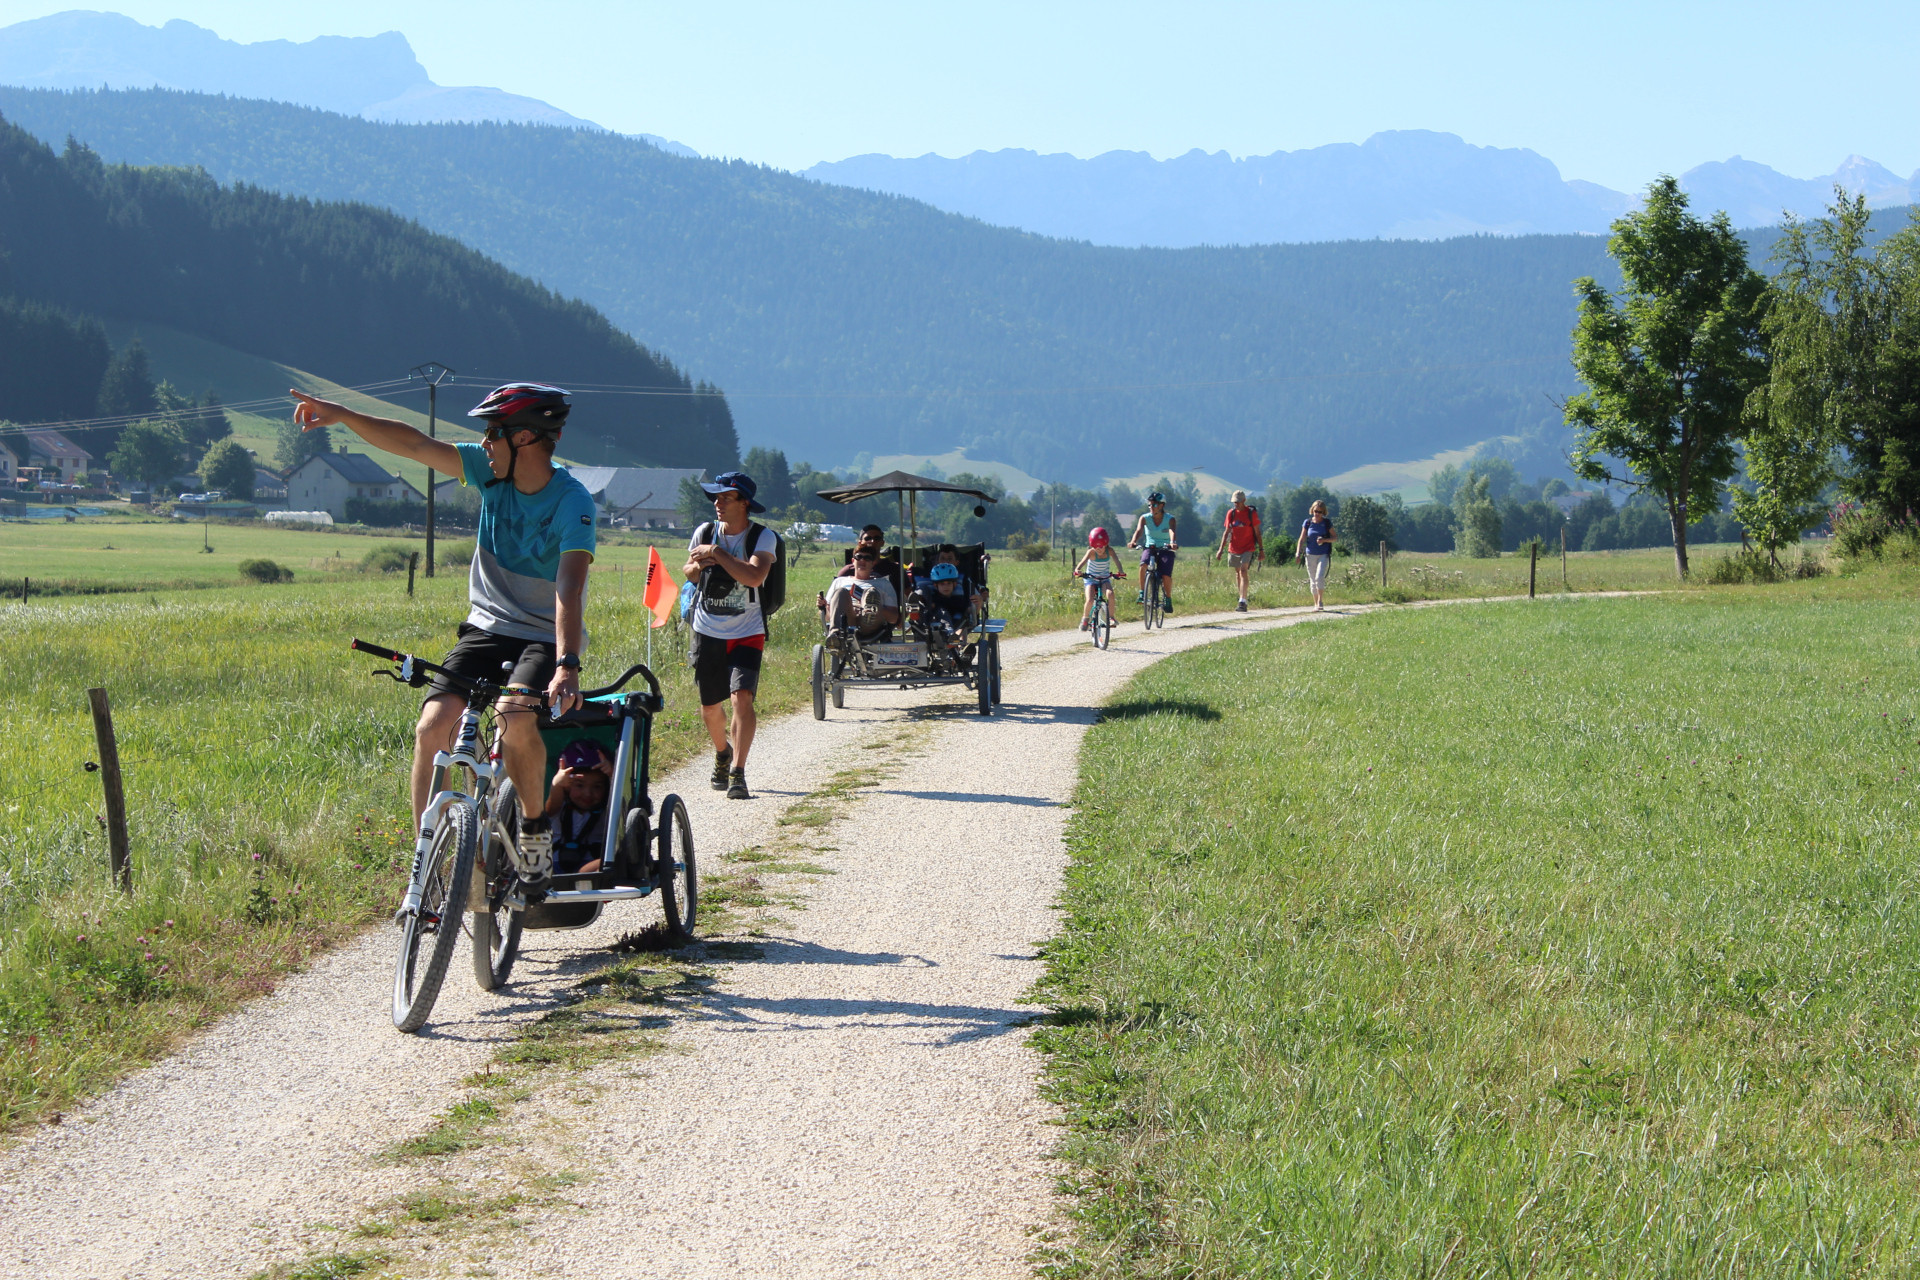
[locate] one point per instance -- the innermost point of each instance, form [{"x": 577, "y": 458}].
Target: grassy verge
[{"x": 1523, "y": 940}]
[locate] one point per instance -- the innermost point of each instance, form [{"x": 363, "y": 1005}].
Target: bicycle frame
[{"x": 485, "y": 771}]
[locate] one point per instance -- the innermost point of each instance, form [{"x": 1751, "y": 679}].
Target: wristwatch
[{"x": 571, "y": 660}]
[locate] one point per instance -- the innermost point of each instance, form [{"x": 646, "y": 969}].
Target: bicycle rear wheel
[
  {"x": 678, "y": 872},
  {"x": 496, "y": 932},
  {"x": 428, "y": 935}
]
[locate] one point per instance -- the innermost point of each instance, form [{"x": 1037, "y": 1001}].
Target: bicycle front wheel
[
  {"x": 1102, "y": 622},
  {"x": 428, "y": 935}
]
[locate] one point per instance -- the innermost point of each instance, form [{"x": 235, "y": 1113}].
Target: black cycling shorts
[
  {"x": 725, "y": 667},
  {"x": 482, "y": 655}
]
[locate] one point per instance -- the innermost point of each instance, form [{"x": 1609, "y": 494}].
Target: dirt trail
[{"x": 858, "y": 1099}]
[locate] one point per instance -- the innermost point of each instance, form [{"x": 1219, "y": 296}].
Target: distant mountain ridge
[
  {"x": 1402, "y": 185},
  {"x": 843, "y": 322},
  {"x": 377, "y": 77}
]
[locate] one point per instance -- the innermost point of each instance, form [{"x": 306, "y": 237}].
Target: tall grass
[
  {"x": 266, "y": 779},
  {"x": 1544, "y": 939}
]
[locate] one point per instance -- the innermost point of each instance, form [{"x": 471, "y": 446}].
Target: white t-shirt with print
[{"x": 736, "y": 615}]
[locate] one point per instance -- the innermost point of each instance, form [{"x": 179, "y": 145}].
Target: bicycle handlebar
[{"x": 487, "y": 689}]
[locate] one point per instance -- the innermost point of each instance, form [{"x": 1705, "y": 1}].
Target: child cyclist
[{"x": 1099, "y": 566}]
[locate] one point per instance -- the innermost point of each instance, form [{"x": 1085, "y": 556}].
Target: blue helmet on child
[{"x": 944, "y": 573}]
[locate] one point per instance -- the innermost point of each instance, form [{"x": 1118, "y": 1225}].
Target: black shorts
[
  {"x": 482, "y": 655},
  {"x": 724, "y": 667}
]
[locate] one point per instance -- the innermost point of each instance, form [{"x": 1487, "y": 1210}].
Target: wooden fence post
[
  {"x": 1563, "y": 559},
  {"x": 1533, "y": 565},
  {"x": 24, "y": 584},
  {"x": 115, "y": 791},
  {"x": 1383, "y": 564},
  {"x": 413, "y": 562}
]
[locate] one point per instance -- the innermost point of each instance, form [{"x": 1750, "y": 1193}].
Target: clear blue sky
[{"x": 1611, "y": 92}]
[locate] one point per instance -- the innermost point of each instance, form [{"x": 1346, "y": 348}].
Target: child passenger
[{"x": 577, "y": 807}]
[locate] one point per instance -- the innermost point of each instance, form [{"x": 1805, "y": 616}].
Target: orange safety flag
[{"x": 662, "y": 593}]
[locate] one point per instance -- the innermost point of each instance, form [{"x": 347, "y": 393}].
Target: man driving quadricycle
[{"x": 907, "y": 617}]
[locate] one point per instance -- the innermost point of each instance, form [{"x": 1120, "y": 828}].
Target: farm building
[
  {"x": 9, "y": 465},
  {"x": 326, "y": 481},
  {"x": 638, "y": 497}
]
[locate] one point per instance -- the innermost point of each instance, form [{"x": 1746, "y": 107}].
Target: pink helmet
[{"x": 1098, "y": 538}]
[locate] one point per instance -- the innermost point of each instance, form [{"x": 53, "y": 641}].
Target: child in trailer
[{"x": 577, "y": 807}]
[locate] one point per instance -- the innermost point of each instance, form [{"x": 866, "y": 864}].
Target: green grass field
[
  {"x": 1533, "y": 939},
  {"x": 250, "y": 730}
]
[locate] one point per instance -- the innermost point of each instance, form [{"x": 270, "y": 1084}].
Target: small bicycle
[
  {"x": 1155, "y": 608},
  {"x": 471, "y": 821},
  {"x": 1100, "y": 617}
]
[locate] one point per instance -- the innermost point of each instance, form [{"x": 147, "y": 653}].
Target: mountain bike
[
  {"x": 472, "y": 820},
  {"x": 1100, "y": 617}
]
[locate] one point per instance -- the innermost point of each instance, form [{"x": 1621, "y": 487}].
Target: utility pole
[{"x": 433, "y": 373}]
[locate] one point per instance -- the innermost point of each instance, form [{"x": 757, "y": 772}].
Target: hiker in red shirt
[{"x": 1240, "y": 542}]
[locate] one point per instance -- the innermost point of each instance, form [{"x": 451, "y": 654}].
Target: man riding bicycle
[
  {"x": 527, "y": 587},
  {"x": 1157, "y": 534}
]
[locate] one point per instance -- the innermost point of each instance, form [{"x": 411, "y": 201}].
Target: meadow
[
  {"x": 1550, "y": 938},
  {"x": 266, "y": 770}
]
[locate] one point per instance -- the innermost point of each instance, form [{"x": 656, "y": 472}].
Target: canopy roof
[{"x": 896, "y": 482}]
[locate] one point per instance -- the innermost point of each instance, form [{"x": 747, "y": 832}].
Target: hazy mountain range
[
  {"x": 377, "y": 77},
  {"x": 1403, "y": 185}
]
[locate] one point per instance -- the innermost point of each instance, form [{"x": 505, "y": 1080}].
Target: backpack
[{"x": 770, "y": 594}]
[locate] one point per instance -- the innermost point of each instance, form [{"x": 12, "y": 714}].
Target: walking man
[
  {"x": 1240, "y": 542},
  {"x": 729, "y": 628}
]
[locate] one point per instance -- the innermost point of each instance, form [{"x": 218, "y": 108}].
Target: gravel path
[{"x": 858, "y": 1100}]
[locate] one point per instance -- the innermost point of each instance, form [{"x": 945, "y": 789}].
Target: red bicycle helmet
[
  {"x": 1099, "y": 537},
  {"x": 531, "y": 405}
]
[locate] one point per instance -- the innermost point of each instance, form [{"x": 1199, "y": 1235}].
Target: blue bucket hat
[{"x": 738, "y": 482}]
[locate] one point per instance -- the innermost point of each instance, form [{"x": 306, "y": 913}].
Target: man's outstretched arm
[{"x": 311, "y": 413}]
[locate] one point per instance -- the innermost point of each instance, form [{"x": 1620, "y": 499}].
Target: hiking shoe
[
  {"x": 1166, "y": 604},
  {"x": 533, "y": 853},
  {"x": 1086, "y": 626},
  {"x": 1141, "y": 598},
  {"x": 722, "y": 760},
  {"x": 737, "y": 788},
  {"x": 1241, "y": 607}
]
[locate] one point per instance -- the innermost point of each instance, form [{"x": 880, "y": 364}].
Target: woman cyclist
[
  {"x": 1098, "y": 566},
  {"x": 1158, "y": 537}
]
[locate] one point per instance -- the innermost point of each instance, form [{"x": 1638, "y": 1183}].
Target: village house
[
  {"x": 60, "y": 460},
  {"x": 326, "y": 481},
  {"x": 9, "y": 466}
]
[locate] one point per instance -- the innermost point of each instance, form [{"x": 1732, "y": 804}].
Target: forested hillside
[
  {"x": 356, "y": 293},
  {"x": 845, "y": 322}
]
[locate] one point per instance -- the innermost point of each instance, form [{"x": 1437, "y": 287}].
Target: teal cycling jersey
[{"x": 1157, "y": 533}]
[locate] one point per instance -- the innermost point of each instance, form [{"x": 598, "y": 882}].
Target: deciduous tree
[
  {"x": 149, "y": 452},
  {"x": 229, "y": 468},
  {"x": 1670, "y": 362}
]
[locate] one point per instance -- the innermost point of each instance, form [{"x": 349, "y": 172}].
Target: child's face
[
  {"x": 944, "y": 586},
  {"x": 587, "y": 789}
]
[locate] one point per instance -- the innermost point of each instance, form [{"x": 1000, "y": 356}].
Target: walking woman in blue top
[
  {"x": 1158, "y": 536},
  {"x": 1314, "y": 548}
]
